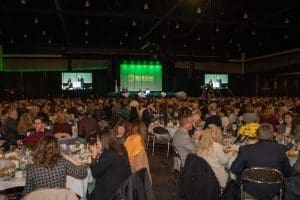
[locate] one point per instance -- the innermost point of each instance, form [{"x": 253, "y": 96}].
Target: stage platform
[{"x": 132, "y": 94}]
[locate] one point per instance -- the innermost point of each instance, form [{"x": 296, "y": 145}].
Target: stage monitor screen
[
  {"x": 76, "y": 81},
  {"x": 216, "y": 80},
  {"x": 141, "y": 76}
]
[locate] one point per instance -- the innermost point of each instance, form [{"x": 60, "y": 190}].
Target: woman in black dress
[{"x": 110, "y": 166}]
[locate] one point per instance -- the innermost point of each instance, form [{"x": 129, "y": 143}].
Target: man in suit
[
  {"x": 265, "y": 153},
  {"x": 147, "y": 115},
  {"x": 9, "y": 127},
  {"x": 86, "y": 125},
  {"x": 213, "y": 118},
  {"x": 39, "y": 124},
  {"x": 182, "y": 140}
]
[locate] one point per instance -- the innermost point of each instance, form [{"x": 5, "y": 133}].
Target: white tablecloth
[{"x": 79, "y": 186}]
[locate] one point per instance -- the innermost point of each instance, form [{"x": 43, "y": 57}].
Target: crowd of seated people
[{"x": 202, "y": 122}]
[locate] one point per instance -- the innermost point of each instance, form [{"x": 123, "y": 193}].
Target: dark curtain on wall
[
  {"x": 46, "y": 85},
  {"x": 189, "y": 82}
]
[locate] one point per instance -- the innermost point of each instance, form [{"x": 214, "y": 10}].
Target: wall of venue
[
  {"x": 45, "y": 81},
  {"x": 48, "y": 84}
]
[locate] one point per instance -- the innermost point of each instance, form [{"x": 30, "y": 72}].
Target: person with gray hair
[
  {"x": 266, "y": 132},
  {"x": 265, "y": 153}
]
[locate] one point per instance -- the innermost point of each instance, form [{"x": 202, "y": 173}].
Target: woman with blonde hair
[
  {"x": 135, "y": 146},
  {"x": 25, "y": 123},
  {"x": 61, "y": 124},
  {"x": 212, "y": 152},
  {"x": 216, "y": 133}
]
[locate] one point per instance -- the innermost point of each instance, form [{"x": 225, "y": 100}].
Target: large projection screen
[
  {"x": 142, "y": 75},
  {"x": 76, "y": 81}
]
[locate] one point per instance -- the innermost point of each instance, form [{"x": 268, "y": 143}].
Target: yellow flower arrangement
[{"x": 249, "y": 130}]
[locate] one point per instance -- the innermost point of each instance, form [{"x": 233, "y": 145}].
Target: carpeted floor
[{"x": 161, "y": 169}]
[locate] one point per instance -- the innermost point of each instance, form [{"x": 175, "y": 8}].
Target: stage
[{"x": 132, "y": 94}]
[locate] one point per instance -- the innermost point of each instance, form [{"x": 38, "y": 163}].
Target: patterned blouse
[{"x": 41, "y": 177}]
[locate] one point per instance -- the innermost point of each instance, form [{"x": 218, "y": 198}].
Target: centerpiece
[
  {"x": 32, "y": 140},
  {"x": 248, "y": 133}
]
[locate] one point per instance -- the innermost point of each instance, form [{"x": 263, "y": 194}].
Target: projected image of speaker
[
  {"x": 76, "y": 81},
  {"x": 216, "y": 81}
]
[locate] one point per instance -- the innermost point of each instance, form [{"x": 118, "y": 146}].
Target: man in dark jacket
[
  {"x": 213, "y": 118},
  {"x": 265, "y": 153},
  {"x": 9, "y": 128},
  {"x": 86, "y": 125},
  {"x": 147, "y": 115}
]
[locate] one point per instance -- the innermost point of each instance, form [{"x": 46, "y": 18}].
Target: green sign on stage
[{"x": 141, "y": 75}]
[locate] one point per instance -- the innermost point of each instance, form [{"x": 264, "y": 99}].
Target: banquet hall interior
[{"x": 176, "y": 99}]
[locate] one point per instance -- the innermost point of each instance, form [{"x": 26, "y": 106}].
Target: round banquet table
[{"x": 79, "y": 186}]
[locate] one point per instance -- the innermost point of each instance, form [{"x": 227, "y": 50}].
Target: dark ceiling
[{"x": 201, "y": 28}]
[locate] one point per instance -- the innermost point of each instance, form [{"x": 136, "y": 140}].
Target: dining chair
[
  {"x": 160, "y": 137},
  {"x": 261, "y": 175}
]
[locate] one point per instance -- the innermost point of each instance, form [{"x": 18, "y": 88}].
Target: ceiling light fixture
[
  {"x": 87, "y": 3},
  {"x": 25, "y": 35},
  {"x": 133, "y": 23},
  {"x": 287, "y": 21},
  {"x": 245, "y": 15},
  {"x": 49, "y": 41},
  {"x": 177, "y": 26},
  {"x": 23, "y": 2},
  {"x": 44, "y": 32},
  {"x": 146, "y": 7},
  {"x": 86, "y": 21},
  {"x": 36, "y": 20},
  {"x": 199, "y": 10}
]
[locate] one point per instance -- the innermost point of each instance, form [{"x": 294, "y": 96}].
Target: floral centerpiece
[
  {"x": 249, "y": 130},
  {"x": 32, "y": 140}
]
